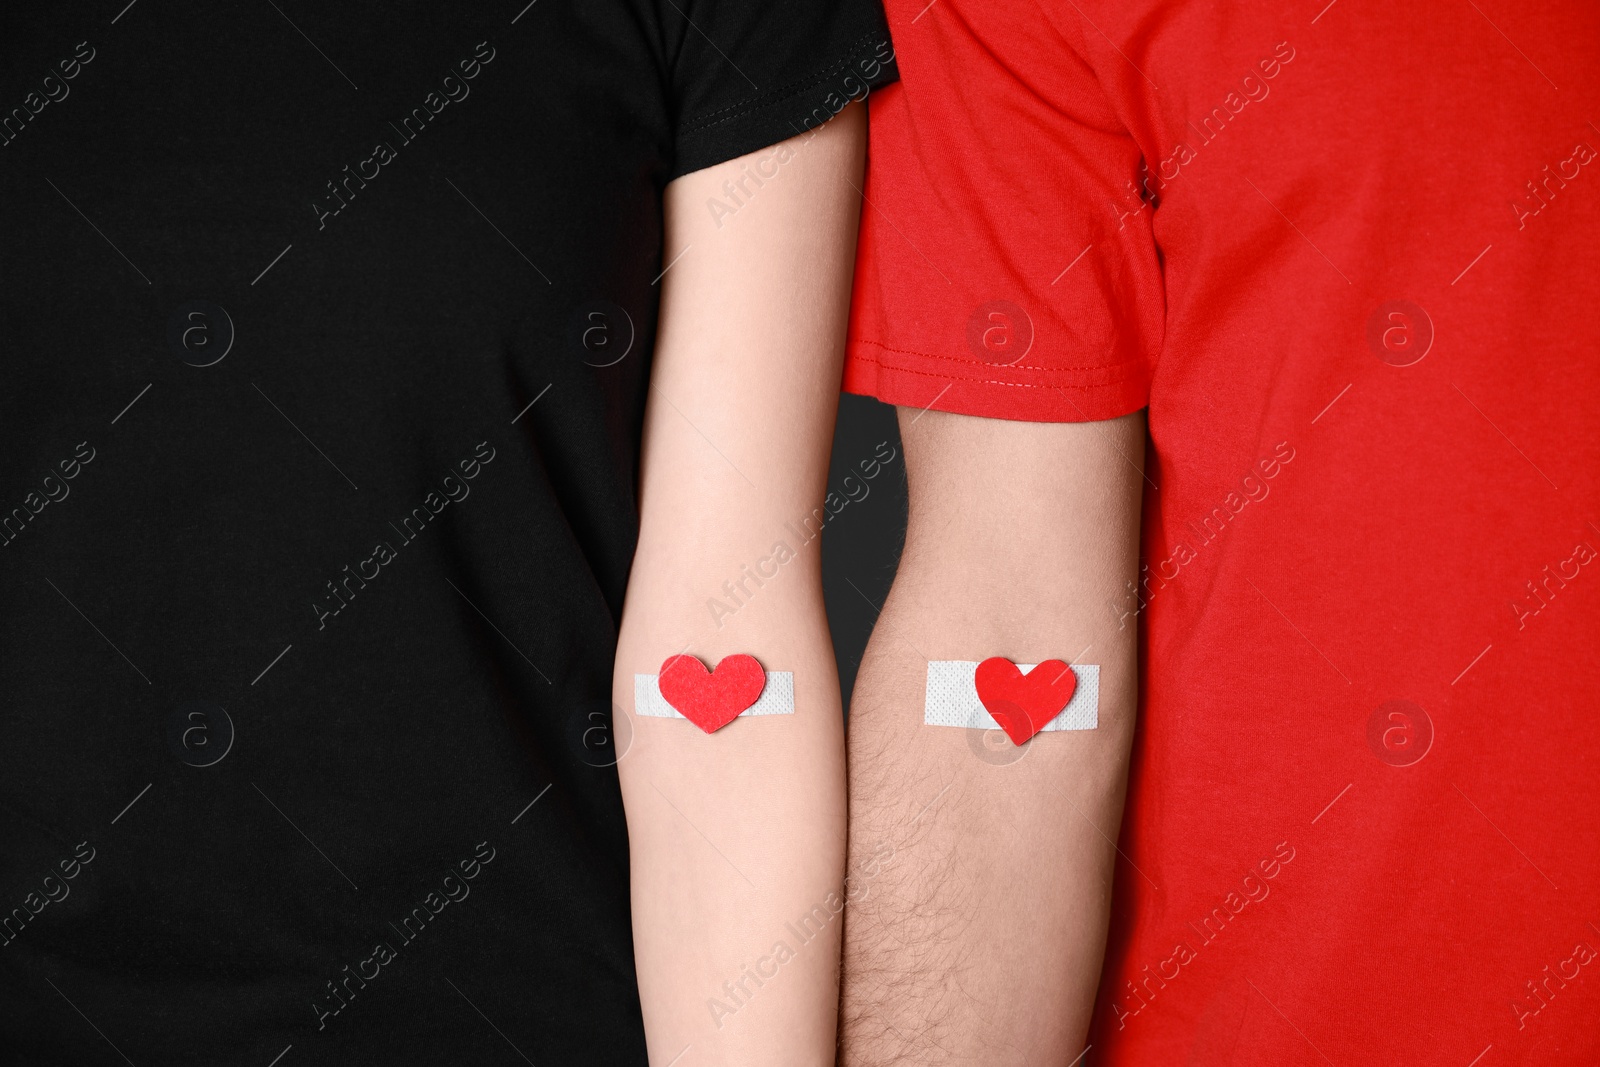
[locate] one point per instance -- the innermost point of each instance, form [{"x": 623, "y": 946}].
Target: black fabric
[{"x": 325, "y": 335}]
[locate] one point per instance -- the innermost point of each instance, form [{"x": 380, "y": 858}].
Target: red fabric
[{"x": 1355, "y": 555}]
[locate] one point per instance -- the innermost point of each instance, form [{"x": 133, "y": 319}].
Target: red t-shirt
[{"x": 1348, "y": 259}]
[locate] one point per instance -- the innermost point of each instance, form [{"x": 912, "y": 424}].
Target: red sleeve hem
[{"x": 918, "y": 380}]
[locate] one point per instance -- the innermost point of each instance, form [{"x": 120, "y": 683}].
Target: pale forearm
[{"x": 736, "y": 837}]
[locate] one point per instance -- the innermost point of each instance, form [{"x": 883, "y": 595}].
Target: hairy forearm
[{"x": 981, "y": 872}]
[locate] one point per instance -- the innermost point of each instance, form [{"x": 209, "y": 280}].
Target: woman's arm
[{"x": 737, "y": 838}]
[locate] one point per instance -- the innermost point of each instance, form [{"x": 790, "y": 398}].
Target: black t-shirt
[{"x": 326, "y": 335}]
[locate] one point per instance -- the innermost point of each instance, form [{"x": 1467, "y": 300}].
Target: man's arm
[
  {"x": 980, "y": 874},
  {"x": 738, "y": 836}
]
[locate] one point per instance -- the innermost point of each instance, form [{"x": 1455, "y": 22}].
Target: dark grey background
[{"x": 861, "y": 545}]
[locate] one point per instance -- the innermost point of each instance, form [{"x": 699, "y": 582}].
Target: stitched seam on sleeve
[
  {"x": 894, "y": 369},
  {"x": 1011, "y": 366},
  {"x": 780, "y": 94}
]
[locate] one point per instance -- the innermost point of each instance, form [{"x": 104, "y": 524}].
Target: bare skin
[
  {"x": 984, "y": 872},
  {"x": 736, "y": 835}
]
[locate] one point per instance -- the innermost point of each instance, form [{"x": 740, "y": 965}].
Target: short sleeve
[
  {"x": 750, "y": 73},
  {"x": 1007, "y": 266}
]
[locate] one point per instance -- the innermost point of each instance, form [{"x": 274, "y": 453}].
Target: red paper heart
[
  {"x": 712, "y": 699},
  {"x": 1024, "y": 703}
]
